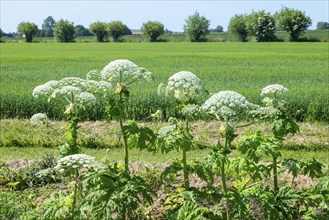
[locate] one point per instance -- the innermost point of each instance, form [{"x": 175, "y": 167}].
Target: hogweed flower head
[
  {"x": 190, "y": 110},
  {"x": 73, "y": 81},
  {"x": 45, "y": 90},
  {"x": 68, "y": 90},
  {"x": 226, "y": 104},
  {"x": 274, "y": 89},
  {"x": 93, "y": 75},
  {"x": 124, "y": 72},
  {"x": 70, "y": 163},
  {"x": 184, "y": 85},
  {"x": 98, "y": 87},
  {"x": 144, "y": 74},
  {"x": 265, "y": 112},
  {"x": 85, "y": 99},
  {"x": 39, "y": 118}
]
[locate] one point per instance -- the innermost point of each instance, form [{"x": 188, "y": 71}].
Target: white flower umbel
[
  {"x": 99, "y": 87},
  {"x": 184, "y": 85},
  {"x": 45, "y": 90},
  {"x": 85, "y": 99},
  {"x": 68, "y": 90},
  {"x": 226, "y": 103},
  {"x": 128, "y": 70},
  {"x": 93, "y": 75},
  {"x": 73, "y": 81},
  {"x": 265, "y": 112},
  {"x": 191, "y": 110},
  {"x": 274, "y": 89},
  {"x": 39, "y": 118},
  {"x": 68, "y": 164},
  {"x": 144, "y": 75}
]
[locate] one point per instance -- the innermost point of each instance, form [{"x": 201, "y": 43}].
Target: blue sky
[{"x": 133, "y": 13}]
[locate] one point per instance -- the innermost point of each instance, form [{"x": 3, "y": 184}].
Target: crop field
[
  {"x": 119, "y": 157},
  {"x": 242, "y": 67}
]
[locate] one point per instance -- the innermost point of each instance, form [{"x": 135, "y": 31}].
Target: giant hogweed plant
[
  {"x": 121, "y": 74},
  {"x": 96, "y": 191},
  {"x": 273, "y": 111},
  {"x": 250, "y": 186},
  {"x": 227, "y": 107},
  {"x": 186, "y": 88},
  {"x": 75, "y": 95}
]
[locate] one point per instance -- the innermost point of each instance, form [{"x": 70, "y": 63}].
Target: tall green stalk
[
  {"x": 125, "y": 140},
  {"x": 222, "y": 170},
  {"x": 185, "y": 171},
  {"x": 186, "y": 179},
  {"x": 74, "y": 134},
  {"x": 275, "y": 175},
  {"x": 74, "y": 193}
]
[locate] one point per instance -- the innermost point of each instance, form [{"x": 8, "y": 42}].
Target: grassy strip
[
  {"x": 117, "y": 154},
  {"x": 98, "y": 135},
  {"x": 245, "y": 68}
]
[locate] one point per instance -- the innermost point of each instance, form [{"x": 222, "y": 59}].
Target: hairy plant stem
[
  {"x": 125, "y": 141},
  {"x": 74, "y": 134},
  {"x": 74, "y": 193},
  {"x": 275, "y": 176},
  {"x": 223, "y": 175},
  {"x": 185, "y": 172}
]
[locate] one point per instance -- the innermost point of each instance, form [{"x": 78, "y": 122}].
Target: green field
[{"x": 242, "y": 67}]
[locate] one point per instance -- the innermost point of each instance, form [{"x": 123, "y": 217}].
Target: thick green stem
[
  {"x": 186, "y": 179},
  {"x": 275, "y": 175},
  {"x": 74, "y": 194},
  {"x": 185, "y": 172},
  {"x": 223, "y": 175},
  {"x": 125, "y": 142},
  {"x": 74, "y": 133}
]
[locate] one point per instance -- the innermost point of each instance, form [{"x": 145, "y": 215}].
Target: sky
[{"x": 134, "y": 13}]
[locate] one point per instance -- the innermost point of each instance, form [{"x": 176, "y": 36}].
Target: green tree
[
  {"x": 261, "y": 25},
  {"x": 47, "y": 27},
  {"x": 322, "y": 25},
  {"x": 238, "y": 26},
  {"x": 64, "y": 31},
  {"x": 153, "y": 29},
  {"x": 1, "y": 32},
  {"x": 80, "y": 30},
  {"x": 293, "y": 21},
  {"x": 116, "y": 29},
  {"x": 167, "y": 31},
  {"x": 100, "y": 30},
  {"x": 28, "y": 29},
  {"x": 196, "y": 27},
  {"x": 218, "y": 29},
  {"x": 127, "y": 31}
]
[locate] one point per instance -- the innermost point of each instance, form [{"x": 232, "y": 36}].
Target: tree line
[{"x": 260, "y": 26}]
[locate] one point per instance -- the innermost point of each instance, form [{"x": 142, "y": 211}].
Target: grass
[
  {"x": 135, "y": 155},
  {"x": 21, "y": 140},
  {"x": 242, "y": 67}
]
